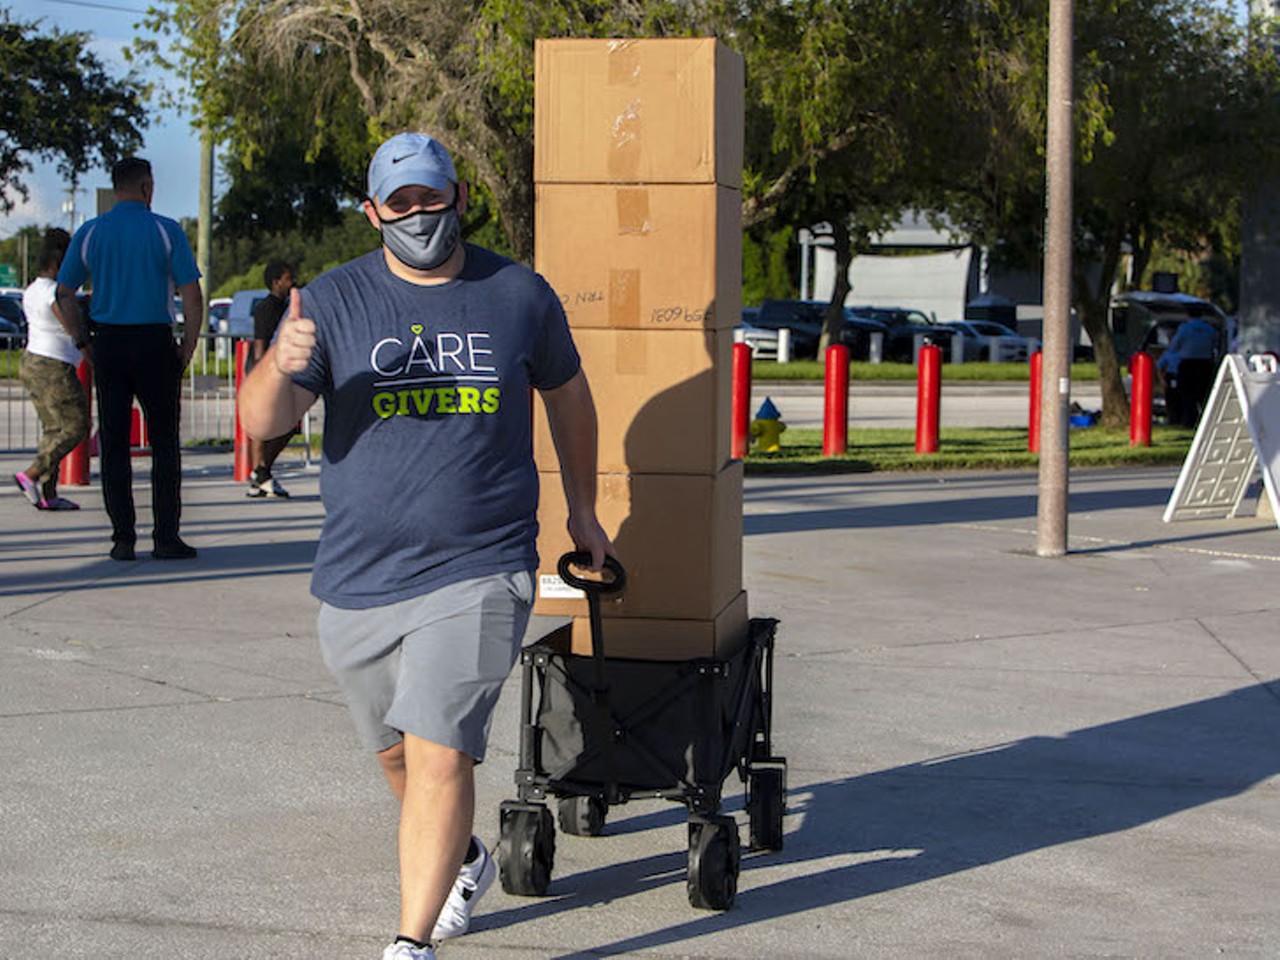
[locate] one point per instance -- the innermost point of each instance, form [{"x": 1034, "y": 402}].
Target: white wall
[{"x": 933, "y": 282}]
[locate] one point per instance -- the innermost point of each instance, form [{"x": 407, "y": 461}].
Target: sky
[{"x": 169, "y": 142}]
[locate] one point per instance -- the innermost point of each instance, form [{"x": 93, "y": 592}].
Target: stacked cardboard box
[{"x": 637, "y": 169}]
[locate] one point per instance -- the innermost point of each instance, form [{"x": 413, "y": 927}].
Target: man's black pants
[
  {"x": 138, "y": 361},
  {"x": 1195, "y": 383}
]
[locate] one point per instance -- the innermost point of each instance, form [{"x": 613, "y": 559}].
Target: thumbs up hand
[{"x": 296, "y": 339}]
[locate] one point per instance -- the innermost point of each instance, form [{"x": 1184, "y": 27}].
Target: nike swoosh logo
[{"x": 398, "y": 159}]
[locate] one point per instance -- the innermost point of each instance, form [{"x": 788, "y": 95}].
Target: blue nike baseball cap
[{"x": 410, "y": 159}]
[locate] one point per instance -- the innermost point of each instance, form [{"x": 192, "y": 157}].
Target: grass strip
[
  {"x": 860, "y": 370},
  {"x": 966, "y": 448}
]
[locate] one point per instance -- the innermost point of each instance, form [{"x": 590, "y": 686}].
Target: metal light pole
[{"x": 1055, "y": 392}]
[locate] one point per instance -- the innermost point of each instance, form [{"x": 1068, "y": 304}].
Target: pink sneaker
[{"x": 30, "y": 489}]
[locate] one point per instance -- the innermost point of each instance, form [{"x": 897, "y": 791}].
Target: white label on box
[{"x": 552, "y": 587}]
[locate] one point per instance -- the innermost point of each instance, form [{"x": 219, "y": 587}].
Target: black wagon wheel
[
  {"x": 766, "y": 804},
  {"x": 714, "y": 855},
  {"x": 528, "y": 850},
  {"x": 582, "y": 816}
]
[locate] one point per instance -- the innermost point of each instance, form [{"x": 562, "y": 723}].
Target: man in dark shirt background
[{"x": 279, "y": 278}]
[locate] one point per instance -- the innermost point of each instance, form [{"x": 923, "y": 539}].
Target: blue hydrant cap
[{"x": 768, "y": 411}]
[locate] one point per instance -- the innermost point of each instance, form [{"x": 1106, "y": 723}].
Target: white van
[
  {"x": 237, "y": 322},
  {"x": 239, "y": 319}
]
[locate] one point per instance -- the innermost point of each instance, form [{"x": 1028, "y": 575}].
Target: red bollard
[
  {"x": 739, "y": 411},
  {"x": 928, "y": 399},
  {"x": 241, "y": 466},
  {"x": 1033, "y": 418},
  {"x": 74, "y": 471},
  {"x": 835, "y": 406},
  {"x": 1142, "y": 371}
]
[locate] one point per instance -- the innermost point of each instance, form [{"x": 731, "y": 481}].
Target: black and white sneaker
[
  {"x": 473, "y": 880},
  {"x": 256, "y": 481},
  {"x": 270, "y": 487}
]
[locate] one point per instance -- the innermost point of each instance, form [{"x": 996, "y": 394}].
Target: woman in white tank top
[{"x": 48, "y": 371}]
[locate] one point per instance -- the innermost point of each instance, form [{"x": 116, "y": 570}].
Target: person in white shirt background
[{"x": 48, "y": 372}]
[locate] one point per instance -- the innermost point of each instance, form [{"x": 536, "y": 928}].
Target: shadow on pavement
[
  {"x": 882, "y": 831},
  {"x": 218, "y": 562},
  {"x": 938, "y": 511}
]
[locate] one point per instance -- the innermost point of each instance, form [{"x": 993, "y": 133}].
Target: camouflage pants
[{"x": 63, "y": 410}]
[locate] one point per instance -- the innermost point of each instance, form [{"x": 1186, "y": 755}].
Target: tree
[
  {"x": 1175, "y": 115},
  {"x": 57, "y": 101},
  {"x": 345, "y": 73},
  {"x": 851, "y": 117}
]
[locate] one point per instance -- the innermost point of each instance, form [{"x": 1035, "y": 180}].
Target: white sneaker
[
  {"x": 270, "y": 487},
  {"x": 473, "y": 880},
  {"x": 407, "y": 951}
]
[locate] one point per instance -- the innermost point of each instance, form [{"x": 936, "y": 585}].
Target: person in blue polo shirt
[
  {"x": 136, "y": 260},
  {"x": 1195, "y": 345}
]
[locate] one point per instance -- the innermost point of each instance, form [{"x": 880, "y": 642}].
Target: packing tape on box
[
  {"x": 627, "y": 131},
  {"x": 624, "y": 63},
  {"x": 633, "y": 211},
  {"x": 624, "y": 298}
]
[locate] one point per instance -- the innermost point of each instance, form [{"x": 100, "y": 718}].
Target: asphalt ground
[{"x": 991, "y": 754}]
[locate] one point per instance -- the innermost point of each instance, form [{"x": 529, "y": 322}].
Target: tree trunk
[
  {"x": 1115, "y": 402},
  {"x": 1095, "y": 310},
  {"x": 833, "y": 320}
]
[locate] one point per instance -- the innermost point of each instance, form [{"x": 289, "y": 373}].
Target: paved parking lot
[{"x": 990, "y": 754}]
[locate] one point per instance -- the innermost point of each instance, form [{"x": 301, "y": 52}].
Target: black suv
[
  {"x": 804, "y": 319},
  {"x": 903, "y": 327}
]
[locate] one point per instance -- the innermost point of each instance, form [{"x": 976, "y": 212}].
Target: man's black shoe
[
  {"x": 174, "y": 550},
  {"x": 122, "y": 551}
]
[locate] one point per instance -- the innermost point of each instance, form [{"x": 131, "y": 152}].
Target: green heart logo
[{"x": 416, "y": 328}]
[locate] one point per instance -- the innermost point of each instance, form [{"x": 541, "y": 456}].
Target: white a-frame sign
[{"x": 1240, "y": 431}]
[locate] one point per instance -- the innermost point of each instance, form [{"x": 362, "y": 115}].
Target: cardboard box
[
  {"x": 679, "y": 538},
  {"x": 663, "y": 401},
  {"x": 642, "y": 257},
  {"x": 720, "y": 637},
  {"x": 638, "y": 111}
]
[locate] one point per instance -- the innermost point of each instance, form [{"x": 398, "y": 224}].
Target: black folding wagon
[{"x": 598, "y": 731}]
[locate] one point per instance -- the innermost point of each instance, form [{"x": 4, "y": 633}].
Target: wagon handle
[
  {"x": 595, "y": 589},
  {"x": 582, "y": 558}
]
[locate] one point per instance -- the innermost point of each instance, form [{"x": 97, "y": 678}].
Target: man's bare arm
[
  {"x": 572, "y": 416},
  {"x": 72, "y": 318},
  {"x": 192, "y": 318}
]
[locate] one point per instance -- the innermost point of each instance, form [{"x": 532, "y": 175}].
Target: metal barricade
[{"x": 208, "y": 403}]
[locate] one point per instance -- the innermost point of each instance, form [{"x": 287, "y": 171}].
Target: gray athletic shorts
[{"x": 432, "y": 666}]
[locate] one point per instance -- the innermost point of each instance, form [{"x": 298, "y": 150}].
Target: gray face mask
[{"x": 425, "y": 239}]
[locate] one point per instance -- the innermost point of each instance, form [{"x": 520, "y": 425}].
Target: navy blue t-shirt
[{"x": 428, "y": 476}]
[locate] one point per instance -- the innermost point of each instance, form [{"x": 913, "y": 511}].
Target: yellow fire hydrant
[{"x": 767, "y": 428}]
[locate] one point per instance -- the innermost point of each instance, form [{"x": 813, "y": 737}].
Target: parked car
[
  {"x": 1145, "y": 320},
  {"x": 903, "y": 326},
  {"x": 239, "y": 318},
  {"x": 219, "y": 309},
  {"x": 981, "y": 335},
  {"x": 804, "y": 318},
  {"x": 13, "y": 322},
  {"x": 763, "y": 343}
]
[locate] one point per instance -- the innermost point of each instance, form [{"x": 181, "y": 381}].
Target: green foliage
[
  {"x": 238, "y": 262},
  {"x": 303, "y": 93},
  {"x": 58, "y": 102},
  {"x": 11, "y": 250},
  {"x": 768, "y": 270}
]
